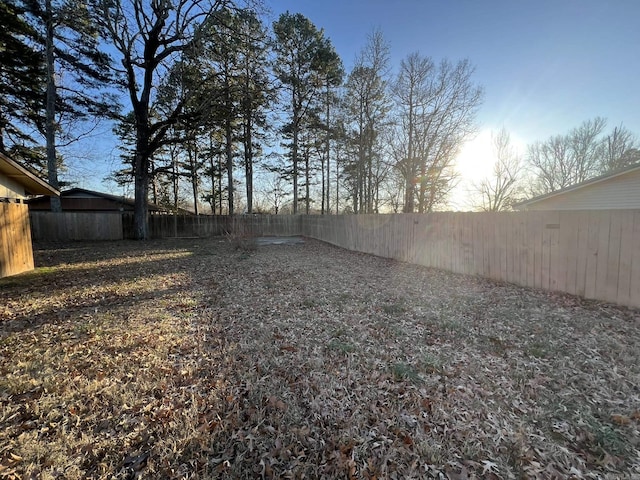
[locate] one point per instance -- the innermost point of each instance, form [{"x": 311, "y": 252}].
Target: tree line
[
  {"x": 562, "y": 160},
  {"x": 208, "y": 98}
]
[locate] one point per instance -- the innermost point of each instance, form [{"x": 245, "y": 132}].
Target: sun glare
[
  {"x": 475, "y": 163},
  {"x": 476, "y": 158}
]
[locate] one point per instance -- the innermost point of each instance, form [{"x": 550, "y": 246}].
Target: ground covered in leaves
[{"x": 197, "y": 359}]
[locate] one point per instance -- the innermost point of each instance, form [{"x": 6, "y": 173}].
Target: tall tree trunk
[
  {"x": 174, "y": 166},
  {"x": 212, "y": 201},
  {"x": 50, "y": 121},
  {"x": 357, "y": 201},
  {"x": 327, "y": 151},
  {"x": 228, "y": 131},
  {"x": 193, "y": 161},
  {"x": 324, "y": 185},
  {"x": 294, "y": 158},
  {"x": 369, "y": 173},
  {"x": 220, "y": 184},
  {"x": 421, "y": 194},
  {"x": 409, "y": 185},
  {"x": 141, "y": 188},
  {"x": 337, "y": 185},
  {"x": 307, "y": 179},
  {"x": 229, "y": 152},
  {"x": 248, "y": 162}
]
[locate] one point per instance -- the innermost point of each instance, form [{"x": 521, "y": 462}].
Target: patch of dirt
[{"x": 195, "y": 358}]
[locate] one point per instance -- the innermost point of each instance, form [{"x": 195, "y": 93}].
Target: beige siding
[
  {"x": 621, "y": 192},
  {"x": 10, "y": 188}
]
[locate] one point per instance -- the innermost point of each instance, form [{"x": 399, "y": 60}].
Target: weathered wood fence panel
[
  {"x": 16, "y": 255},
  {"x": 164, "y": 226},
  {"x": 595, "y": 254},
  {"x": 72, "y": 226}
]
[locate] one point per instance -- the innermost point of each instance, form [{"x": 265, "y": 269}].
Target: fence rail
[{"x": 595, "y": 254}]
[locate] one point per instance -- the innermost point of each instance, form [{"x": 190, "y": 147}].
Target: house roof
[
  {"x": 84, "y": 193},
  {"x": 577, "y": 186},
  {"x": 32, "y": 184},
  {"x": 92, "y": 193}
]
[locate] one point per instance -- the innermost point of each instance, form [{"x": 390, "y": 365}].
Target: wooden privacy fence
[
  {"x": 16, "y": 255},
  {"x": 163, "y": 226},
  {"x": 594, "y": 254},
  {"x": 72, "y": 226}
]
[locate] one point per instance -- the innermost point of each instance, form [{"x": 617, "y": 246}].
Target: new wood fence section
[
  {"x": 594, "y": 254},
  {"x": 16, "y": 255}
]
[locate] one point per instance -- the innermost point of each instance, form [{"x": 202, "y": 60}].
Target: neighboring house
[
  {"x": 618, "y": 190},
  {"x": 16, "y": 184},
  {"x": 81, "y": 200}
]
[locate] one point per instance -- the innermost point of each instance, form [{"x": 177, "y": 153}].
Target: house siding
[
  {"x": 10, "y": 188},
  {"x": 621, "y": 192}
]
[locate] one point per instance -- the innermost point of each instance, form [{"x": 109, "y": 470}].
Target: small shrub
[{"x": 242, "y": 240}]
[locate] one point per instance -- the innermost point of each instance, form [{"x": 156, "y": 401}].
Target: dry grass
[{"x": 191, "y": 359}]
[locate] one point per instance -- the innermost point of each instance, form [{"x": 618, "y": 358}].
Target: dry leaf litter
[{"x": 195, "y": 359}]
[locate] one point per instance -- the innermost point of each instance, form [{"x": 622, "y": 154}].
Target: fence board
[
  {"x": 582, "y": 234},
  {"x": 626, "y": 252},
  {"x": 592, "y": 254},
  {"x": 634, "y": 287},
  {"x": 613, "y": 258},
  {"x": 602, "y": 262}
]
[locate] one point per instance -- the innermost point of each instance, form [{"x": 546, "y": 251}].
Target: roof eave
[{"x": 32, "y": 184}]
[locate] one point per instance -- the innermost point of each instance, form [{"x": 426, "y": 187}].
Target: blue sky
[{"x": 545, "y": 66}]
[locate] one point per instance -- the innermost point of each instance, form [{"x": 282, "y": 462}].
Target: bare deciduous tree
[
  {"x": 620, "y": 149},
  {"x": 437, "y": 106},
  {"x": 366, "y": 107},
  {"x": 499, "y": 192},
  {"x": 149, "y": 38},
  {"x": 564, "y": 160}
]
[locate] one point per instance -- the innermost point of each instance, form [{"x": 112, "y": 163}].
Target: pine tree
[
  {"x": 302, "y": 53},
  {"x": 70, "y": 39},
  {"x": 22, "y": 79}
]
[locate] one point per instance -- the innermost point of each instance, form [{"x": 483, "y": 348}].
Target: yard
[{"x": 197, "y": 359}]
